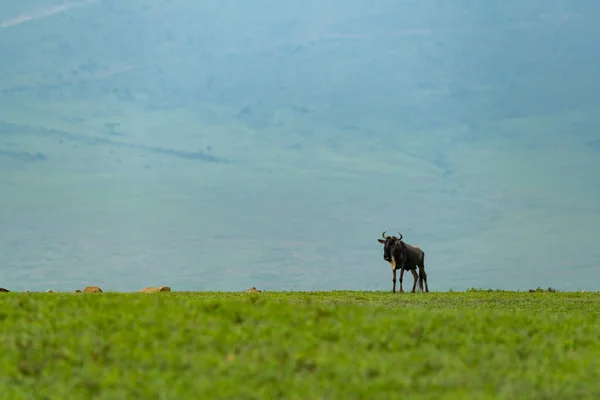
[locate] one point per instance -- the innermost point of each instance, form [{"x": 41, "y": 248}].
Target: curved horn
[
  {"x": 400, "y": 236},
  {"x": 383, "y": 234}
]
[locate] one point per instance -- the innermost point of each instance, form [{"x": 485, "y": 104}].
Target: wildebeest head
[{"x": 389, "y": 244}]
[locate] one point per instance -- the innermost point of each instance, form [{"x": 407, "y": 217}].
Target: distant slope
[{"x": 136, "y": 137}]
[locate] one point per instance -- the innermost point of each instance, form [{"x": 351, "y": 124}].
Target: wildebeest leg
[
  {"x": 423, "y": 277},
  {"x": 401, "y": 274},
  {"x": 394, "y": 280},
  {"x": 423, "y": 273},
  {"x": 414, "y": 272}
]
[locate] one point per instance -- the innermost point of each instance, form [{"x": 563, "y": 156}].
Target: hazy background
[{"x": 219, "y": 145}]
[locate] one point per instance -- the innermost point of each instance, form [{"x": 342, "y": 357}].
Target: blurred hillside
[{"x": 219, "y": 145}]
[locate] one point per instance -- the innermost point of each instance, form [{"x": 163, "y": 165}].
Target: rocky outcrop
[
  {"x": 155, "y": 289},
  {"x": 92, "y": 289}
]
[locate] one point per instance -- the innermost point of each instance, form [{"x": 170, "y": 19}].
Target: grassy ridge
[{"x": 350, "y": 345}]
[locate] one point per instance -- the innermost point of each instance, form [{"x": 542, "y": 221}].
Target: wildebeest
[{"x": 403, "y": 256}]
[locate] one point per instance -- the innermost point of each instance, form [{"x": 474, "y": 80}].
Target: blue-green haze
[{"x": 218, "y": 145}]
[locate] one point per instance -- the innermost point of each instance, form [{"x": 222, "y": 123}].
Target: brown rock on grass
[
  {"x": 2, "y": 290},
  {"x": 77, "y": 291},
  {"x": 155, "y": 289},
  {"x": 253, "y": 290},
  {"x": 92, "y": 289}
]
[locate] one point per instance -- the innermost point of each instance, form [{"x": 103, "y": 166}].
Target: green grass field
[{"x": 300, "y": 345}]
